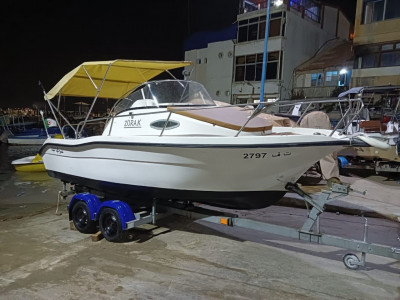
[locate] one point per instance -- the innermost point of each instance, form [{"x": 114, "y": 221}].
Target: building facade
[
  {"x": 377, "y": 43},
  {"x": 327, "y": 73},
  {"x": 297, "y": 29}
]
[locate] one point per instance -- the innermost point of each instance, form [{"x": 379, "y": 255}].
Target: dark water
[
  {"x": 9, "y": 153},
  {"x": 24, "y": 193},
  {"x": 9, "y": 177}
]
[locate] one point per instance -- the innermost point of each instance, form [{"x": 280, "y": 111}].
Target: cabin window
[{"x": 160, "y": 124}]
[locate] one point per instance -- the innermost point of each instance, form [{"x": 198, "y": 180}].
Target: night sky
[{"x": 43, "y": 40}]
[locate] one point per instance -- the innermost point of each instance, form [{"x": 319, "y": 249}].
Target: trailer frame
[{"x": 309, "y": 232}]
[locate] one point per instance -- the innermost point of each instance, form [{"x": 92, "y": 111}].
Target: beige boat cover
[
  {"x": 121, "y": 76},
  {"x": 329, "y": 164},
  {"x": 227, "y": 117},
  {"x": 274, "y": 120}
]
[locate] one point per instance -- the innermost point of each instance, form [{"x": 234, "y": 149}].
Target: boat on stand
[{"x": 168, "y": 140}]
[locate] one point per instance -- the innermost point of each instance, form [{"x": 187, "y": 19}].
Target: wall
[
  {"x": 216, "y": 68},
  {"x": 376, "y": 76},
  {"x": 198, "y": 71},
  {"x": 220, "y": 70},
  {"x": 304, "y": 38},
  {"x": 344, "y": 27}
]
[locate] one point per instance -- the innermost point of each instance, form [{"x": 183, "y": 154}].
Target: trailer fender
[
  {"x": 92, "y": 201},
  {"x": 343, "y": 162},
  {"x": 124, "y": 211}
]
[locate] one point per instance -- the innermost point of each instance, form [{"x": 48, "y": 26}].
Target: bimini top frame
[{"x": 106, "y": 79}]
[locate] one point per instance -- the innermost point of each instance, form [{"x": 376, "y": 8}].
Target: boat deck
[{"x": 228, "y": 117}]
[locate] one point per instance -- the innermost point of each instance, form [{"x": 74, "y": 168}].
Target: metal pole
[
  {"x": 44, "y": 123},
  {"x": 264, "y": 70}
]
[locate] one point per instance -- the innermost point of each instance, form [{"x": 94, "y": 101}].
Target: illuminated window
[{"x": 317, "y": 79}]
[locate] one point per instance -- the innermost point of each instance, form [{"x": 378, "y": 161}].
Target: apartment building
[
  {"x": 377, "y": 43},
  {"x": 231, "y": 69}
]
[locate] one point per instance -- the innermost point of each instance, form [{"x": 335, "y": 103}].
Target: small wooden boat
[{"x": 29, "y": 164}]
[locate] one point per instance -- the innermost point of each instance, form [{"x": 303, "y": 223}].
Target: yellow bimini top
[{"x": 110, "y": 79}]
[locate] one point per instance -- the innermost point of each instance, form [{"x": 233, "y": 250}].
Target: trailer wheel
[
  {"x": 351, "y": 261},
  {"x": 80, "y": 215},
  {"x": 110, "y": 225}
]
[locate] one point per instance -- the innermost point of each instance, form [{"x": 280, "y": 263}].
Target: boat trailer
[{"x": 114, "y": 218}]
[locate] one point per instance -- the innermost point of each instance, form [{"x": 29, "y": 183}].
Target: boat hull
[
  {"x": 234, "y": 173},
  {"x": 33, "y": 167},
  {"x": 26, "y": 140},
  {"x": 143, "y": 195},
  {"x": 28, "y": 164}
]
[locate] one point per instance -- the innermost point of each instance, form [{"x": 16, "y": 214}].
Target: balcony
[
  {"x": 308, "y": 8},
  {"x": 317, "y": 92}
]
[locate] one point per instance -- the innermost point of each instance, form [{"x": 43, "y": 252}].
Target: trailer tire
[
  {"x": 351, "y": 261},
  {"x": 80, "y": 216},
  {"x": 110, "y": 225}
]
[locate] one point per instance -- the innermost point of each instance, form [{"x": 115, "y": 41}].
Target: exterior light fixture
[{"x": 343, "y": 77}]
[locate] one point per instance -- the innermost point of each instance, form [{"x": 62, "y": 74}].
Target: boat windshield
[{"x": 166, "y": 93}]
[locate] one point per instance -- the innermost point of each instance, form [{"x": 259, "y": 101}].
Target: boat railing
[
  {"x": 352, "y": 112},
  {"x": 77, "y": 127}
]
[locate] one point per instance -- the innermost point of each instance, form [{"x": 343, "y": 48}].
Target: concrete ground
[
  {"x": 42, "y": 258},
  {"x": 373, "y": 195}
]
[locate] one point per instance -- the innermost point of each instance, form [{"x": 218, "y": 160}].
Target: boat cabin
[{"x": 182, "y": 98}]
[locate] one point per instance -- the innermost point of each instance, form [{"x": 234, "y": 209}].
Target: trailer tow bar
[{"x": 350, "y": 260}]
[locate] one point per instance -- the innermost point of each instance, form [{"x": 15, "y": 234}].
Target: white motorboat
[{"x": 167, "y": 139}]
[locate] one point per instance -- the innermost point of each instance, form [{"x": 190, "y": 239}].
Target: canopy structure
[
  {"x": 354, "y": 90},
  {"x": 120, "y": 77}
]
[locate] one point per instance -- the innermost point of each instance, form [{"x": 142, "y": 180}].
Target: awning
[
  {"x": 122, "y": 77},
  {"x": 354, "y": 90},
  {"x": 382, "y": 89}
]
